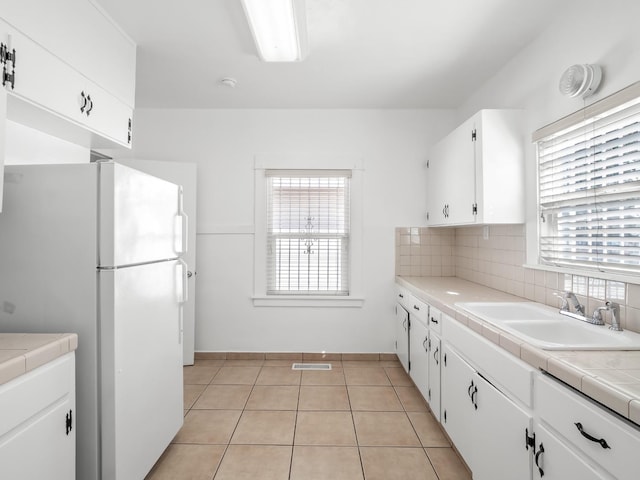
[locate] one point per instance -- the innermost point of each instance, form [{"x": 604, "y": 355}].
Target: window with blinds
[
  {"x": 308, "y": 232},
  {"x": 589, "y": 192}
]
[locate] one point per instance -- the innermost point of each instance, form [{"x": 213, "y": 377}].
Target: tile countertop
[
  {"x": 609, "y": 377},
  {"x": 23, "y": 352}
]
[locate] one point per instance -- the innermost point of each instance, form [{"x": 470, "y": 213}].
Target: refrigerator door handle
[
  {"x": 182, "y": 225},
  {"x": 183, "y": 291}
]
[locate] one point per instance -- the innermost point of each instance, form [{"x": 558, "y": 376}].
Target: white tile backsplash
[{"x": 498, "y": 263}]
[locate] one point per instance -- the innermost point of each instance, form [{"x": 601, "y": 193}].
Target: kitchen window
[
  {"x": 589, "y": 187},
  {"x": 308, "y": 232},
  {"x": 308, "y": 242}
]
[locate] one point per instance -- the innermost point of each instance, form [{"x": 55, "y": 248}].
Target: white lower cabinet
[
  {"x": 37, "y": 429},
  {"x": 555, "y": 460},
  {"x": 603, "y": 440},
  {"x": 419, "y": 348},
  {"x": 508, "y": 420},
  {"x": 457, "y": 405},
  {"x": 435, "y": 360},
  {"x": 402, "y": 336},
  {"x": 487, "y": 428}
]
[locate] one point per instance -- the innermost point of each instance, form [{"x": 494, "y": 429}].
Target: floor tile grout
[{"x": 299, "y": 384}]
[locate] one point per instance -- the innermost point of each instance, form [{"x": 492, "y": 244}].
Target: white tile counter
[
  {"x": 609, "y": 377},
  {"x": 23, "y": 352}
]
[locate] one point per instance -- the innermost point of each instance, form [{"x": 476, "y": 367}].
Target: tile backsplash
[{"x": 494, "y": 256}]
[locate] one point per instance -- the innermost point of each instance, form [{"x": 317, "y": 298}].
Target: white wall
[
  {"x": 393, "y": 145},
  {"x": 603, "y": 33},
  {"x": 26, "y": 145}
]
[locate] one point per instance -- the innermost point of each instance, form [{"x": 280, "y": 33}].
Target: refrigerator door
[
  {"x": 180, "y": 173},
  {"x": 141, "y": 341},
  {"x": 141, "y": 217}
]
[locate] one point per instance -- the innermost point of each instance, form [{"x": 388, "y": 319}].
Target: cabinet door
[
  {"x": 418, "y": 347},
  {"x": 41, "y": 79},
  {"x": 435, "y": 358},
  {"x": 41, "y": 448},
  {"x": 461, "y": 174},
  {"x": 83, "y": 37},
  {"x": 451, "y": 178},
  {"x": 436, "y": 190},
  {"x": 108, "y": 116},
  {"x": 499, "y": 428},
  {"x": 402, "y": 336},
  {"x": 53, "y": 97},
  {"x": 36, "y": 441},
  {"x": 554, "y": 460},
  {"x": 457, "y": 383}
]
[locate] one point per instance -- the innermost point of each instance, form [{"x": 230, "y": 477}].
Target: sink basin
[{"x": 545, "y": 328}]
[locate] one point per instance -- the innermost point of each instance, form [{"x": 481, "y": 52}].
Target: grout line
[{"x": 346, "y": 386}]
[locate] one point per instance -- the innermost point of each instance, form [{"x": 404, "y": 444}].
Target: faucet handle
[{"x": 614, "y": 308}]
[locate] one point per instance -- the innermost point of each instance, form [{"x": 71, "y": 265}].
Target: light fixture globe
[{"x": 580, "y": 80}]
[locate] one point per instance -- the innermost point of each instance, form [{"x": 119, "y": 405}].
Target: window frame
[
  {"x": 583, "y": 120},
  {"x": 266, "y": 162}
]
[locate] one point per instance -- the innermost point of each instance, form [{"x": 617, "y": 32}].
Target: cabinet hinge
[
  {"x": 129, "y": 132},
  {"x": 409, "y": 365},
  {"x": 474, "y": 209},
  {"x": 7, "y": 55},
  {"x": 445, "y": 416},
  {"x": 69, "y": 421},
  {"x": 427, "y": 215},
  {"x": 529, "y": 441},
  {"x": 473, "y": 135},
  {"x": 428, "y": 163},
  {"x": 445, "y": 359},
  {"x": 8, "y": 77}
]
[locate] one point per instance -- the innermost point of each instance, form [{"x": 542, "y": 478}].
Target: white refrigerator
[{"x": 95, "y": 249}]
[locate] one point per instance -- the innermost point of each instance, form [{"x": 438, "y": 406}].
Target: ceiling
[{"x": 363, "y": 53}]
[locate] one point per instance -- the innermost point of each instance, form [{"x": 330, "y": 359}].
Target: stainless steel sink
[{"x": 544, "y": 327}]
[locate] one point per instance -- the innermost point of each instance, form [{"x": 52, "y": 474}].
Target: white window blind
[
  {"x": 589, "y": 192},
  {"x": 308, "y": 232}
]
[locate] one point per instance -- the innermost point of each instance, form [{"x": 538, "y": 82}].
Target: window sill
[
  {"x": 616, "y": 277},
  {"x": 307, "y": 301}
]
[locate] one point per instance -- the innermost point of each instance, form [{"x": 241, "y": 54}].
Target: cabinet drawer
[
  {"x": 418, "y": 310},
  {"x": 403, "y": 297},
  {"x": 510, "y": 374},
  {"x": 31, "y": 393},
  {"x": 562, "y": 409},
  {"x": 554, "y": 460}
]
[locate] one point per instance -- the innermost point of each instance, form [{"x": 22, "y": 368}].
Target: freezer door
[
  {"x": 141, "y": 217},
  {"x": 141, "y": 340}
]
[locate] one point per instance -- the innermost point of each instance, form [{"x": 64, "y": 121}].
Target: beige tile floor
[{"x": 258, "y": 419}]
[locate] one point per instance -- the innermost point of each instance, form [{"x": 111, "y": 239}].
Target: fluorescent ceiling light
[{"x": 279, "y": 28}]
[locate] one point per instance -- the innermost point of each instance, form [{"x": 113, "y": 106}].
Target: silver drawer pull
[{"x": 603, "y": 443}]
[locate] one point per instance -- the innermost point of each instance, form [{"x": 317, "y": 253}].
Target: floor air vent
[{"x": 311, "y": 366}]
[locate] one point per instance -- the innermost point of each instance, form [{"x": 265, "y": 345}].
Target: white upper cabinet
[
  {"x": 73, "y": 72},
  {"x": 476, "y": 173},
  {"x": 80, "y": 34}
]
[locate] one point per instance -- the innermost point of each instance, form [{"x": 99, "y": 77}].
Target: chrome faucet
[
  {"x": 612, "y": 307},
  {"x": 566, "y": 296}
]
